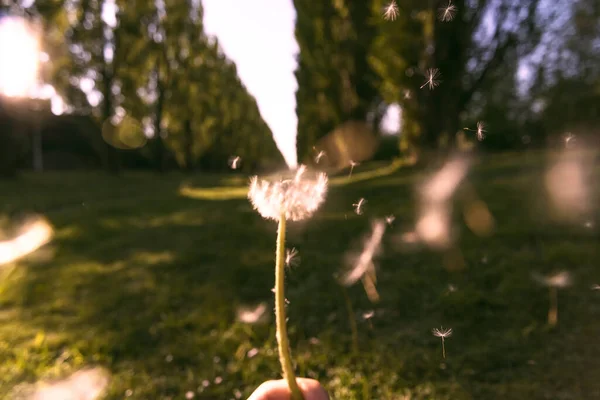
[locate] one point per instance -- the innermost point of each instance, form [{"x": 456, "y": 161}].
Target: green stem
[{"x": 282, "y": 339}]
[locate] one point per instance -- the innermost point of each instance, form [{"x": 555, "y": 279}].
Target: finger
[{"x": 279, "y": 390}]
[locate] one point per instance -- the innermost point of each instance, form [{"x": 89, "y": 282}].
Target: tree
[
  {"x": 467, "y": 49},
  {"x": 336, "y": 83}
]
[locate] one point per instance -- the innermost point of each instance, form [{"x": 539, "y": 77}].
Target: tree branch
[{"x": 495, "y": 61}]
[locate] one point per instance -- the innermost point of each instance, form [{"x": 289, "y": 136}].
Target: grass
[{"x": 146, "y": 282}]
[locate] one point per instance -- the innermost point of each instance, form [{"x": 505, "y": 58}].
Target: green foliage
[
  {"x": 335, "y": 81},
  {"x": 157, "y": 71}
]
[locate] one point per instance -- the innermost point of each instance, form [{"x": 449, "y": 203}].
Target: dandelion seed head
[
  {"x": 294, "y": 199},
  {"x": 447, "y": 14},
  {"x": 432, "y": 75},
  {"x": 442, "y": 333},
  {"x": 391, "y": 11}
]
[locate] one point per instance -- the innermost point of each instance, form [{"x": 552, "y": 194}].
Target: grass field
[{"x": 148, "y": 283}]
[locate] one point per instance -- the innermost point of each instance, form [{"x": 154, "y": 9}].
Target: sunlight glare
[{"x": 19, "y": 55}]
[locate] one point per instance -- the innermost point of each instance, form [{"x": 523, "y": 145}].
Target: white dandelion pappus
[
  {"x": 443, "y": 334},
  {"x": 293, "y": 199},
  {"x": 391, "y": 11},
  {"x": 480, "y": 130},
  {"x": 432, "y": 75},
  {"x": 291, "y": 257},
  {"x": 446, "y": 14},
  {"x": 319, "y": 155},
  {"x": 390, "y": 219},
  {"x": 234, "y": 162},
  {"x": 560, "y": 279},
  {"x": 359, "y": 206},
  {"x": 352, "y": 165},
  {"x": 365, "y": 259}
]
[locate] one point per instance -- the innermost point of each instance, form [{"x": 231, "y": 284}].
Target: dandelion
[
  {"x": 391, "y": 11},
  {"x": 291, "y": 257},
  {"x": 358, "y": 207},
  {"x": 432, "y": 75},
  {"x": 554, "y": 282},
  {"x": 446, "y": 14},
  {"x": 319, "y": 155},
  {"x": 291, "y": 199},
  {"x": 352, "y": 165},
  {"x": 234, "y": 162},
  {"x": 443, "y": 334}
]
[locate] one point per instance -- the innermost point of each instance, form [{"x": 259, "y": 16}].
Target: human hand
[{"x": 279, "y": 390}]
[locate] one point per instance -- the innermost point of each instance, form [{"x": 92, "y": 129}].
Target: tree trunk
[
  {"x": 159, "y": 144},
  {"x": 111, "y": 157},
  {"x": 189, "y": 145}
]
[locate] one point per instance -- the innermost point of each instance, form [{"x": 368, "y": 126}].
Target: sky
[{"x": 258, "y": 36}]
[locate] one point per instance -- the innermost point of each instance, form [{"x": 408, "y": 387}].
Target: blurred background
[
  {"x": 146, "y": 85},
  {"x": 461, "y": 140}
]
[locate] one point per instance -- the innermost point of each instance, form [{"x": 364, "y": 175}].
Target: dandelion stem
[
  {"x": 282, "y": 338},
  {"x": 443, "y": 349}
]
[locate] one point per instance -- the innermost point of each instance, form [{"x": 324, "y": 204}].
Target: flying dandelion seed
[
  {"x": 364, "y": 262},
  {"x": 390, "y": 219},
  {"x": 596, "y": 287},
  {"x": 554, "y": 282},
  {"x": 432, "y": 75},
  {"x": 443, "y": 334},
  {"x": 368, "y": 314},
  {"x": 407, "y": 94},
  {"x": 480, "y": 131},
  {"x": 319, "y": 155},
  {"x": 34, "y": 235},
  {"x": 352, "y": 165},
  {"x": 569, "y": 139},
  {"x": 447, "y": 14},
  {"x": 291, "y": 258},
  {"x": 252, "y": 315},
  {"x": 234, "y": 162},
  {"x": 391, "y": 11},
  {"x": 359, "y": 206}
]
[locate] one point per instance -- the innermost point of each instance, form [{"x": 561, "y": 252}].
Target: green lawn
[{"x": 146, "y": 280}]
